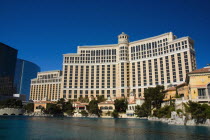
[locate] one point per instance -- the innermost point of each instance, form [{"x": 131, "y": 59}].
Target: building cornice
[
  {"x": 43, "y": 72},
  {"x": 178, "y": 40},
  {"x": 150, "y": 38},
  {"x": 162, "y": 55},
  {"x": 98, "y": 46},
  {"x": 199, "y": 74},
  {"x": 89, "y": 64}
]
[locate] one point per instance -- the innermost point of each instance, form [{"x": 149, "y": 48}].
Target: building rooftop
[
  {"x": 133, "y": 102},
  {"x": 49, "y": 71},
  {"x": 4, "y": 45},
  {"x": 79, "y": 103},
  {"x": 44, "y": 102},
  {"x": 151, "y": 38},
  {"x": 107, "y": 102},
  {"x": 171, "y": 89},
  {"x": 95, "y": 46},
  {"x": 182, "y": 84},
  {"x": 203, "y": 70}
]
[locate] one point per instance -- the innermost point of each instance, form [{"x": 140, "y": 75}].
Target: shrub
[
  {"x": 108, "y": 113},
  {"x": 199, "y": 112},
  {"x": 178, "y": 111},
  {"x": 93, "y": 108},
  {"x": 70, "y": 112},
  {"x": 121, "y": 105},
  {"x": 143, "y": 110},
  {"x": 29, "y": 107},
  {"x": 115, "y": 114},
  {"x": 84, "y": 113},
  {"x": 164, "y": 112}
]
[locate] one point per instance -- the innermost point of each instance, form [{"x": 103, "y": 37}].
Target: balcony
[
  {"x": 130, "y": 112},
  {"x": 202, "y": 99}
]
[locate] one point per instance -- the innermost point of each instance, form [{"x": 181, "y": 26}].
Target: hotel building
[
  {"x": 47, "y": 86},
  {"x": 117, "y": 70}
]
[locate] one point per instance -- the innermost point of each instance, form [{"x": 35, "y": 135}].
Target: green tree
[
  {"x": 164, "y": 112},
  {"x": 121, "y": 105},
  {"x": 66, "y": 106},
  {"x": 84, "y": 113},
  {"x": 177, "y": 94},
  {"x": 61, "y": 102},
  {"x": 70, "y": 112},
  {"x": 143, "y": 110},
  {"x": 53, "y": 109},
  {"x": 11, "y": 103},
  {"x": 83, "y": 100},
  {"x": 101, "y": 98},
  {"x": 199, "y": 112},
  {"x": 108, "y": 113},
  {"x": 179, "y": 111},
  {"x": 93, "y": 108},
  {"x": 115, "y": 114},
  {"x": 29, "y": 107},
  {"x": 153, "y": 98}
]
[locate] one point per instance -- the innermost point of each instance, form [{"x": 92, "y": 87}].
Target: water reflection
[{"x": 94, "y": 129}]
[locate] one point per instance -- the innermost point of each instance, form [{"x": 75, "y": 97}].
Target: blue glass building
[
  {"x": 8, "y": 57},
  {"x": 25, "y": 71}
]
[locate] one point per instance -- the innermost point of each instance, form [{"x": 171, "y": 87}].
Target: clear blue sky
[{"x": 43, "y": 30}]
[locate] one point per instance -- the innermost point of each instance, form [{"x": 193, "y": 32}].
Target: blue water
[{"x": 38, "y": 128}]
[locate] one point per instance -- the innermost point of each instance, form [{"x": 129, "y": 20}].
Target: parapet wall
[{"x": 11, "y": 111}]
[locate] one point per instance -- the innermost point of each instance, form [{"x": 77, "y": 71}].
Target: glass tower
[
  {"x": 24, "y": 72},
  {"x": 8, "y": 57}
]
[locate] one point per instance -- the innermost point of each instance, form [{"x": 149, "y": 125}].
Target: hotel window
[
  {"x": 150, "y": 71},
  {"x": 108, "y": 93},
  {"x": 102, "y": 92},
  {"x": 133, "y": 69},
  {"x": 156, "y": 71},
  {"x": 139, "y": 74},
  {"x": 201, "y": 92},
  {"x": 144, "y": 71},
  {"x": 167, "y": 69}
]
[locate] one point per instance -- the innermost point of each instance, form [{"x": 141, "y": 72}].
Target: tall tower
[
  {"x": 123, "y": 43},
  {"x": 123, "y": 38}
]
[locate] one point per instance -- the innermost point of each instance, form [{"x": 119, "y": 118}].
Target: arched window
[
  {"x": 208, "y": 87},
  {"x": 39, "y": 107},
  {"x": 110, "y": 107}
]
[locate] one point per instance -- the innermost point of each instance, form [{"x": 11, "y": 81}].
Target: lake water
[{"x": 38, "y": 128}]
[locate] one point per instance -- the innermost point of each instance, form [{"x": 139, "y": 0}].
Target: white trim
[
  {"x": 89, "y": 89},
  {"x": 163, "y": 55},
  {"x": 90, "y": 64},
  {"x": 151, "y": 38},
  {"x": 46, "y": 83}
]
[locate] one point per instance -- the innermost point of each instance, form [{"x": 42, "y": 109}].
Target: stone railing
[
  {"x": 129, "y": 111},
  {"x": 202, "y": 97},
  {"x": 11, "y": 111}
]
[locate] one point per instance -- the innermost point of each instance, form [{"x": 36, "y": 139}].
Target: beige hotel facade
[
  {"x": 117, "y": 70},
  {"x": 47, "y": 86}
]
